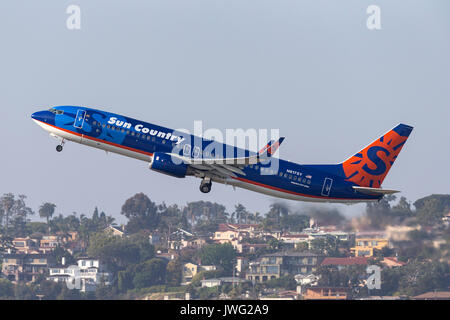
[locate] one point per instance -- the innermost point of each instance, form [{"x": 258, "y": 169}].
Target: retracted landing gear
[
  {"x": 59, "y": 147},
  {"x": 205, "y": 185}
]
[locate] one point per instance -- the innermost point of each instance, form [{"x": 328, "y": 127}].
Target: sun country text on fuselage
[{"x": 179, "y": 154}]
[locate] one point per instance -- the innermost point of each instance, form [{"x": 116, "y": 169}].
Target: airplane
[{"x": 179, "y": 154}]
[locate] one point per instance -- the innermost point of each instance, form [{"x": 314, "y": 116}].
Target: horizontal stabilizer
[{"x": 374, "y": 191}]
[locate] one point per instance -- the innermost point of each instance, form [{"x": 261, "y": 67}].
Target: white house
[{"x": 85, "y": 276}]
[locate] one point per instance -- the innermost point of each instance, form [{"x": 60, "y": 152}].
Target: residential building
[
  {"x": 68, "y": 236},
  {"x": 23, "y": 267},
  {"x": 341, "y": 263},
  {"x": 220, "y": 281},
  {"x": 26, "y": 245},
  {"x": 276, "y": 265},
  {"x": 154, "y": 238},
  {"x": 446, "y": 219},
  {"x": 434, "y": 295},
  {"x": 229, "y": 231},
  {"x": 241, "y": 264},
  {"x": 325, "y": 293},
  {"x": 49, "y": 243},
  {"x": 366, "y": 244},
  {"x": 190, "y": 270},
  {"x": 248, "y": 247},
  {"x": 116, "y": 230},
  {"x": 189, "y": 242},
  {"x": 306, "y": 279},
  {"x": 392, "y": 262},
  {"x": 295, "y": 238},
  {"x": 88, "y": 271}
]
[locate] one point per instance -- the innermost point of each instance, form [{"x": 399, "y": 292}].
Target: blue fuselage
[{"x": 141, "y": 140}]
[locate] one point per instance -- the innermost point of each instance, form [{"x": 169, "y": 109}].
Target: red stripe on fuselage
[
  {"x": 83, "y": 136},
  {"x": 237, "y": 178},
  {"x": 291, "y": 192}
]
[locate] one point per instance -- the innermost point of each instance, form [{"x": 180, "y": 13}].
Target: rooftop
[{"x": 348, "y": 261}]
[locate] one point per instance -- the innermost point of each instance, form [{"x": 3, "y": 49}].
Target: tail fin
[
  {"x": 271, "y": 147},
  {"x": 369, "y": 167}
]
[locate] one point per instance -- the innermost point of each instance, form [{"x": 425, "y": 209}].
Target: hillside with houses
[{"x": 201, "y": 251}]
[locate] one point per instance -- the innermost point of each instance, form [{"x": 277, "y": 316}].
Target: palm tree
[
  {"x": 240, "y": 212},
  {"x": 47, "y": 210}
]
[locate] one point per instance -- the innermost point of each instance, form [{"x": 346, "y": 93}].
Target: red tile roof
[
  {"x": 344, "y": 261},
  {"x": 434, "y": 295}
]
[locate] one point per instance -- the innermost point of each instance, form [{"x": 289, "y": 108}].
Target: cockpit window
[{"x": 53, "y": 110}]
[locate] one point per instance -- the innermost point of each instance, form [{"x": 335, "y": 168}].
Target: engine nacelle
[{"x": 162, "y": 162}]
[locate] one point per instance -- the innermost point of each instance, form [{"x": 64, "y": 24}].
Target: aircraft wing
[{"x": 229, "y": 167}]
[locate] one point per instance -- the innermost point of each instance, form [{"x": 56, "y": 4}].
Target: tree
[
  {"x": 402, "y": 209},
  {"x": 328, "y": 246},
  {"x": 23, "y": 291},
  {"x": 379, "y": 213},
  {"x": 174, "y": 272},
  {"x": 241, "y": 213},
  {"x": 286, "y": 282},
  {"x": 149, "y": 273},
  {"x": 204, "y": 216},
  {"x": 5, "y": 243},
  {"x": 116, "y": 252},
  {"x": 46, "y": 210},
  {"x": 141, "y": 212},
  {"x": 7, "y": 202},
  {"x": 431, "y": 209},
  {"x": 20, "y": 213},
  {"x": 419, "y": 277},
  {"x": 272, "y": 221},
  {"x": 222, "y": 255},
  {"x": 6, "y": 289}
]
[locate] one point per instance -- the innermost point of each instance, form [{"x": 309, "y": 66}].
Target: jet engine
[{"x": 162, "y": 162}]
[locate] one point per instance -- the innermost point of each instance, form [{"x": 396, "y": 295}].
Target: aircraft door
[
  {"x": 79, "y": 120},
  {"x": 326, "y": 188}
]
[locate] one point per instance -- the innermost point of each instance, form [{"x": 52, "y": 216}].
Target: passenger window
[
  {"x": 187, "y": 149},
  {"x": 196, "y": 152}
]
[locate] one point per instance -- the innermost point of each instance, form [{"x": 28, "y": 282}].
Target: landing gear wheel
[
  {"x": 205, "y": 187},
  {"x": 59, "y": 148}
]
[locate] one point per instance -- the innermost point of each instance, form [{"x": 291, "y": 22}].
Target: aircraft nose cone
[{"x": 43, "y": 116}]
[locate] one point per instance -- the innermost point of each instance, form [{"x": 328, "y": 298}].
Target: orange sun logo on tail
[{"x": 369, "y": 167}]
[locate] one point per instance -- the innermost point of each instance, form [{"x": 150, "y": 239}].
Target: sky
[{"x": 311, "y": 69}]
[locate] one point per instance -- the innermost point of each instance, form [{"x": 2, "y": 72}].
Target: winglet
[{"x": 271, "y": 147}]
